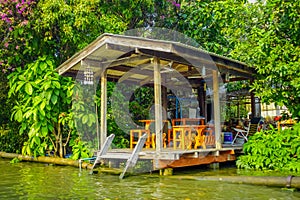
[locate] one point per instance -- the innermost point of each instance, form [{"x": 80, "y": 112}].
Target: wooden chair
[
  {"x": 210, "y": 139},
  {"x": 135, "y": 135},
  {"x": 182, "y": 136},
  {"x": 200, "y": 142},
  {"x": 199, "y": 139},
  {"x": 153, "y": 140}
]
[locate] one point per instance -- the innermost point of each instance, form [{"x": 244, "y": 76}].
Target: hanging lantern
[{"x": 88, "y": 75}]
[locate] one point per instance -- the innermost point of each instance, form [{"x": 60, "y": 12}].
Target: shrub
[{"x": 272, "y": 150}]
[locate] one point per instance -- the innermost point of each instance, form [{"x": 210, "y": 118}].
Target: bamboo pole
[
  {"x": 274, "y": 181},
  {"x": 50, "y": 160}
]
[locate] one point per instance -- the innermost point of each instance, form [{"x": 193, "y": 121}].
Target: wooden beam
[
  {"x": 96, "y": 44},
  {"x": 158, "y": 104},
  {"x": 185, "y": 161},
  {"x": 197, "y": 56},
  {"x": 217, "y": 114},
  {"x": 103, "y": 121},
  {"x": 118, "y": 61}
]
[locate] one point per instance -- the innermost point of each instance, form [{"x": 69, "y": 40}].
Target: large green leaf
[
  {"x": 19, "y": 116},
  {"x": 42, "y": 105},
  {"x": 44, "y": 131},
  {"x": 43, "y": 66},
  {"x": 47, "y": 85},
  {"x": 28, "y": 88},
  {"x": 54, "y": 99},
  {"x": 85, "y": 119},
  {"x": 56, "y": 84},
  {"x": 20, "y": 84}
]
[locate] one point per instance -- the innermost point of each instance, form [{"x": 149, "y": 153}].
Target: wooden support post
[
  {"x": 166, "y": 172},
  {"x": 202, "y": 99},
  {"x": 164, "y": 92},
  {"x": 97, "y": 119},
  {"x": 158, "y": 105},
  {"x": 103, "y": 121},
  {"x": 214, "y": 165},
  {"x": 252, "y": 97},
  {"x": 217, "y": 114}
]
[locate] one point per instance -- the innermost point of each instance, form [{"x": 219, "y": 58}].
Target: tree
[
  {"x": 43, "y": 96},
  {"x": 266, "y": 36}
]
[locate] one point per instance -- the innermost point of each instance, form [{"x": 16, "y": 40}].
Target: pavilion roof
[{"x": 120, "y": 54}]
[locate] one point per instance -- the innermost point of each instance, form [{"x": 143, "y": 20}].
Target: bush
[
  {"x": 272, "y": 150},
  {"x": 11, "y": 141}
]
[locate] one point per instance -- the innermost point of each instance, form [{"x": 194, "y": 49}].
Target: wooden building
[{"x": 172, "y": 65}]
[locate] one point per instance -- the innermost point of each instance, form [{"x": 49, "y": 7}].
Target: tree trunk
[
  {"x": 61, "y": 154},
  {"x": 49, "y": 160}
]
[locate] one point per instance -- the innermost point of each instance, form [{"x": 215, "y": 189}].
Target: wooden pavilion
[{"x": 149, "y": 61}]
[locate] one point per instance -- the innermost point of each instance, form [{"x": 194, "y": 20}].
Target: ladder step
[
  {"x": 135, "y": 155},
  {"x": 103, "y": 150},
  {"x": 115, "y": 156}
]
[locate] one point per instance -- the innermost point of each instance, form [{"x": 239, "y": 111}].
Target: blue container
[{"x": 228, "y": 137}]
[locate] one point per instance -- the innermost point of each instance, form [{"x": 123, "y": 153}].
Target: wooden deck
[{"x": 170, "y": 158}]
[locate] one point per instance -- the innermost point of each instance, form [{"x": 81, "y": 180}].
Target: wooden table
[
  {"x": 189, "y": 121},
  {"x": 149, "y": 121}
]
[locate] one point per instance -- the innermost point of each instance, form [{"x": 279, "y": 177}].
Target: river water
[{"x": 41, "y": 181}]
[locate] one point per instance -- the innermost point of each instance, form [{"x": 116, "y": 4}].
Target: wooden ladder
[
  {"x": 132, "y": 160},
  {"x": 103, "y": 150}
]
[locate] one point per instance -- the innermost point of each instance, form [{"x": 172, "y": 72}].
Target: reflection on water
[{"x": 40, "y": 181}]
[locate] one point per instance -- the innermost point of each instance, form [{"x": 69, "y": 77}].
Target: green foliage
[
  {"x": 205, "y": 23},
  {"x": 84, "y": 114},
  {"x": 68, "y": 26},
  {"x": 139, "y": 103},
  {"x": 271, "y": 150},
  {"x": 266, "y": 35},
  {"x": 12, "y": 142},
  {"x": 80, "y": 150},
  {"x": 57, "y": 29},
  {"x": 15, "y": 34},
  {"x": 238, "y": 85},
  {"x": 15, "y": 160},
  {"x": 41, "y": 96},
  {"x": 4, "y": 115},
  {"x": 121, "y": 140}
]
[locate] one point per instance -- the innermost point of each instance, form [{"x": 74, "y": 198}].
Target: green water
[{"x": 39, "y": 181}]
